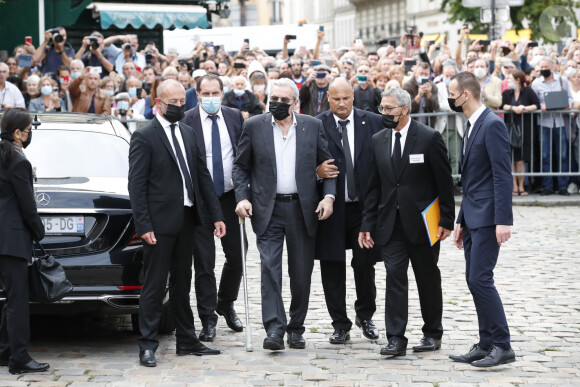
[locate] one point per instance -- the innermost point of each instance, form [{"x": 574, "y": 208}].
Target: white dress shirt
[
  {"x": 225, "y": 142},
  {"x": 166, "y": 127},
  {"x": 350, "y": 132},
  {"x": 285, "y": 150},
  {"x": 11, "y": 96},
  {"x": 403, "y": 132},
  {"x": 473, "y": 119}
]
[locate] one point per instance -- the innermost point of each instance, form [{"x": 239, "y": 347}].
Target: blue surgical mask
[
  {"x": 447, "y": 82},
  {"x": 124, "y": 105},
  {"x": 46, "y": 90},
  {"x": 226, "y": 89},
  {"x": 133, "y": 91},
  {"x": 569, "y": 72},
  {"x": 111, "y": 93},
  {"x": 511, "y": 85},
  {"x": 211, "y": 104},
  {"x": 239, "y": 92},
  {"x": 75, "y": 75}
]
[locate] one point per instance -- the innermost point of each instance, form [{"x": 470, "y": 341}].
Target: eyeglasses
[
  {"x": 388, "y": 109},
  {"x": 3, "y": 71},
  {"x": 178, "y": 102},
  {"x": 283, "y": 100}
]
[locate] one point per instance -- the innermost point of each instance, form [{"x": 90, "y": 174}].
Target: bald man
[
  {"x": 171, "y": 191},
  {"x": 349, "y": 131}
]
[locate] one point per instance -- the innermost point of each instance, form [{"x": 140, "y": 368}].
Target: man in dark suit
[
  {"x": 347, "y": 129},
  {"x": 275, "y": 183},
  {"x": 217, "y": 129},
  {"x": 409, "y": 170},
  {"x": 485, "y": 217},
  {"x": 170, "y": 190}
]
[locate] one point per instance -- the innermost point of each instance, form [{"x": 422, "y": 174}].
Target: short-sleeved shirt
[
  {"x": 11, "y": 96},
  {"x": 52, "y": 59},
  {"x": 540, "y": 87}
]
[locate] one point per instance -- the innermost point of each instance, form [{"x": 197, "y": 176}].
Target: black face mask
[
  {"x": 389, "y": 121},
  {"x": 451, "y": 102},
  {"x": 174, "y": 113},
  {"x": 28, "y": 140},
  {"x": 545, "y": 73},
  {"x": 280, "y": 110}
]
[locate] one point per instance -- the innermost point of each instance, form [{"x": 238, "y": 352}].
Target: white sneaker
[{"x": 572, "y": 188}]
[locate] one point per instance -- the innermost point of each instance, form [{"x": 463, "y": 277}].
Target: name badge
[{"x": 416, "y": 159}]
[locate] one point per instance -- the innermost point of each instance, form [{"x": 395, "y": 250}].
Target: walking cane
[{"x": 249, "y": 347}]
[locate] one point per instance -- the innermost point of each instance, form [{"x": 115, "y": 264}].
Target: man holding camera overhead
[
  {"x": 95, "y": 44},
  {"x": 57, "y": 54}
]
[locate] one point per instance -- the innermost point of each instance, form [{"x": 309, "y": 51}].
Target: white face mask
[{"x": 480, "y": 72}]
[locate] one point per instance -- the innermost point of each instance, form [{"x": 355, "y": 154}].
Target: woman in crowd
[
  {"x": 19, "y": 227},
  {"x": 242, "y": 99},
  {"x": 32, "y": 89},
  {"x": 517, "y": 99},
  {"x": 397, "y": 73},
  {"x": 49, "y": 101}
]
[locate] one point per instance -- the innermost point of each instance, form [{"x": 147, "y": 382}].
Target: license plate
[{"x": 63, "y": 225}]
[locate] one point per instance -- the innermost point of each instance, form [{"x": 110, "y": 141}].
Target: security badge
[{"x": 416, "y": 159}]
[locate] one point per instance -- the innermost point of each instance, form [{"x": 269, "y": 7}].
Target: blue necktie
[{"x": 216, "y": 153}]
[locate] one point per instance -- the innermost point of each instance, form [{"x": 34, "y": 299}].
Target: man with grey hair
[
  {"x": 412, "y": 176},
  {"x": 10, "y": 96},
  {"x": 552, "y": 127},
  {"x": 276, "y": 185}
]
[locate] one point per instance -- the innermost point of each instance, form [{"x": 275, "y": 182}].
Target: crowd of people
[
  {"x": 114, "y": 76},
  {"x": 320, "y": 180}
]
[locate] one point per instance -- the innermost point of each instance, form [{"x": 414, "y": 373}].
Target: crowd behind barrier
[{"x": 118, "y": 76}]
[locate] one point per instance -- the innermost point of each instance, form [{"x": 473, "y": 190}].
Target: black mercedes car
[{"x": 81, "y": 166}]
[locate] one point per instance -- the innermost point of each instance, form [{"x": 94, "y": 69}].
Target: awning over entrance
[{"x": 149, "y": 15}]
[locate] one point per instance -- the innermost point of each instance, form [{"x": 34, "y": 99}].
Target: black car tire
[{"x": 166, "y": 325}]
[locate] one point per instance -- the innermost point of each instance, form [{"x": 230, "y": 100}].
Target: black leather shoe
[
  {"x": 296, "y": 341},
  {"x": 563, "y": 192},
  {"x": 495, "y": 357},
  {"x": 340, "y": 336},
  {"x": 197, "y": 349},
  {"x": 208, "y": 333},
  {"x": 368, "y": 327},
  {"x": 546, "y": 191},
  {"x": 147, "y": 358},
  {"x": 273, "y": 342},
  {"x": 231, "y": 318},
  {"x": 395, "y": 348},
  {"x": 31, "y": 366},
  {"x": 428, "y": 344},
  {"x": 475, "y": 353}
]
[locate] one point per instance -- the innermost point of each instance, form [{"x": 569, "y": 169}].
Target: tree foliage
[{"x": 527, "y": 15}]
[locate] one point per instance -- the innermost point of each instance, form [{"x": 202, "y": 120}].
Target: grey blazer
[{"x": 254, "y": 172}]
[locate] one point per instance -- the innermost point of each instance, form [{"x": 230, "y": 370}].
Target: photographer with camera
[
  {"x": 423, "y": 92},
  {"x": 94, "y": 57},
  {"x": 129, "y": 53},
  {"x": 52, "y": 56}
]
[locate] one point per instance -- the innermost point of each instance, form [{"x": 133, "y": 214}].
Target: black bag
[
  {"x": 47, "y": 279},
  {"x": 515, "y": 133}
]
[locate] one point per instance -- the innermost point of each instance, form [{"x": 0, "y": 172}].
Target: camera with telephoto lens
[
  {"x": 56, "y": 36},
  {"x": 127, "y": 46},
  {"x": 122, "y": 112},
  {"x": 148, "y": 56},
  {"x": 94, "y": 42}
]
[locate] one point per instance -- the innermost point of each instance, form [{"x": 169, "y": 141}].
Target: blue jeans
[{"x": 554, "y": 140}]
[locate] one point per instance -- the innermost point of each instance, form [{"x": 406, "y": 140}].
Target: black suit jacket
[
  {"x": 255, "y": 172},
  {"x": 412, "y": 189},
  {"x": 366, "y": 124},
  {"x": 232, "y": 117},
  {"x": 250, "y": 103},
  {"x": 156, "y": 186},
  {"x": 19, "y": 220}
]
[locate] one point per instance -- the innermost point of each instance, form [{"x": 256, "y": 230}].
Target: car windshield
[{"x": 67, "y": 153}]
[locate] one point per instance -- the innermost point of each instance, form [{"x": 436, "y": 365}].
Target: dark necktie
[
  {"x": 396, "y": 157},
  {"x": 182, "y": 164},
  {"x": 466, "y": 135},
  {"x": 216, "y": 157},
  {"x": 350, "y": 182}
]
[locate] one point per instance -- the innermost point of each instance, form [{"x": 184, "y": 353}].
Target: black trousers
[
  {"x": 396, "y": 255},
  {"x": 286, "y": 221},
  {"x": 204, "y": 262},
  {"x": 171, "y": 255},
  {"x": 333, "y": 274},
  {"x": 15, "y": 323}
]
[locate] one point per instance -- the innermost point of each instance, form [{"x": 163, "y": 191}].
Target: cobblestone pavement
[{"x": 537, "y": 276}]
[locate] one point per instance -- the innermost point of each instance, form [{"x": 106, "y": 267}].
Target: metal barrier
[{"x": 544, "y": 150}]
